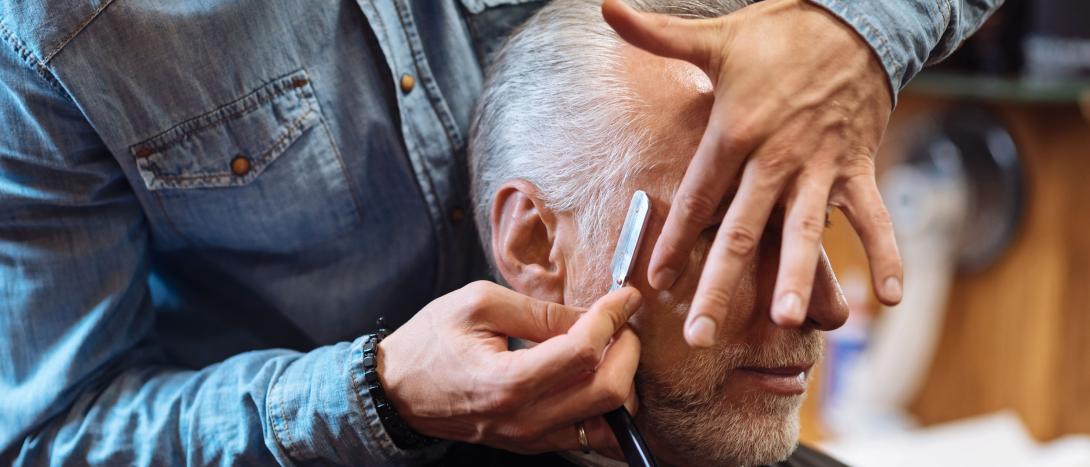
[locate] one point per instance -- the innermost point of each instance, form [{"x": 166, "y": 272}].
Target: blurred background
[{"x": 985, "y": 168}]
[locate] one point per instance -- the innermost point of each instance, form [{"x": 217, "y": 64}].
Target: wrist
[
  {"x": 848, "y": 38},
  {"x": 873, "y": 34},
  {"x": 399, "y": 431}
]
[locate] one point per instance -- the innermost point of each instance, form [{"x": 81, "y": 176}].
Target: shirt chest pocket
[{"x": 259, "y": 174}]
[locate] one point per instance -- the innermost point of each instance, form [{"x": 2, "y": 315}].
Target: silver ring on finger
[{"x": 583, "y": 443}]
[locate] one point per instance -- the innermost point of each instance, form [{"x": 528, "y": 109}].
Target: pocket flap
[{"x": 249, "y": 133}]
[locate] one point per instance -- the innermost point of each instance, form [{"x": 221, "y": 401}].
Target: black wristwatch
[{"x": 400, "y": 432}]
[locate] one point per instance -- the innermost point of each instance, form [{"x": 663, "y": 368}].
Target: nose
[{"x": 828, "y": 309}]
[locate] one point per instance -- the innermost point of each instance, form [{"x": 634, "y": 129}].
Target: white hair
[{"x": 556, "y": 112}]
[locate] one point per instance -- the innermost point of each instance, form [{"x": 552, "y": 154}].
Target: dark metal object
[{"x": 635, "y": 448}]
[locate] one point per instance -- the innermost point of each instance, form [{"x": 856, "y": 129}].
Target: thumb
[
  {"x": 528, "y": 318},
  {"x": 692, "y": 40}
]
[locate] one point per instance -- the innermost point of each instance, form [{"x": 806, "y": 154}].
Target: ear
[{"x": 524, "y": 244}]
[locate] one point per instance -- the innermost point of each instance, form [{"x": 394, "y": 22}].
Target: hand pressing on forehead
[
  {"x": 450, "y": 374},
  {"x": 801, "y": 104}
]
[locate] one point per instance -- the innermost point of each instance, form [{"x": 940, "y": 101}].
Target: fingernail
[
  {"x": 892, "y": 288},
  {"x": 788, "y": 309},
  {"x": 664, "y": 278},
  {"x": 632, "y": 304},
  {"x": 701, "y": 332}
]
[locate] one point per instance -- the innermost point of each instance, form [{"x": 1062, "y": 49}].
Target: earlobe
[{"x": 524, "y": 243}]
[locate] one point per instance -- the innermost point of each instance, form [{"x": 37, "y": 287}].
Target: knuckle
[
  {"x": 477, "y": 296},
  {"x": 859, "y": 165},
  {"x": 738, "y": 139},
  {"x": 540, "y": 314},
  {"x": 478, "y": 287},
  {"x": 699, "y": 206},
  {"x": 503, "y": 401},
  {"x": 585, "y": 357},
  {"x": 522, "y": 436},
  {"x": 774, "y": 164},
  {"x": 715, "y": 298},
  {"x": 810, "y": 227},
  {"x": 552, "y": 316},
  {"x": 671, "y": 253},
  {"x": 880, "y": 217},
  {"x": 741, "y": 240},
  {"x": 614, "y": 395}
]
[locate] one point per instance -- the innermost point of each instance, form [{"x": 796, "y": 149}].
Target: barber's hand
[
  {"x": 450, "y": 374},
  {"x": 800, "y": 106}
]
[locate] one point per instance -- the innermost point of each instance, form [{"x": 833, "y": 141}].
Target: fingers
[
  {"x": 579, "y": 351},
  {"x": 863, "y": 206},
  {"x": 599, "y": 437},
  {"x": 610, "y": 387},
  {"x": 714, "y": 166},
  {"x": 527, "y": 317},
  {"x": 802, "y": 231},
  {"x": 557, "y": 412},
  {"x": 691, "y": 40},
  {"x": 733, "y": 247}
]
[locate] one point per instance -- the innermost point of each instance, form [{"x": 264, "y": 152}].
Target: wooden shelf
[{"x": 992, "y": 88}]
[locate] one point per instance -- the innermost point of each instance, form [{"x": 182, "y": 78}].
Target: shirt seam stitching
[
  {"x": 281, "y": 431},
  {"x": 20, "y": 48},
  {"x": 75, "y": 32},
  {"x": 262, "y": 160},
  {"x": 343, "y": 166},
  {"x": 435, "y": 97},
  {"x": 194, "y": 124}
]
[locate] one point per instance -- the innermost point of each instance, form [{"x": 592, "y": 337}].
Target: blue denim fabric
[
  {"x": 204, "y": 204},
  {"x": 909, "y": 34}
]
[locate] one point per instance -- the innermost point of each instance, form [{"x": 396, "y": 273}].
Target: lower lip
[{"x": 774, "y": 382}]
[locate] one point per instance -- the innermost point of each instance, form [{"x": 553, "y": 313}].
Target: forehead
[{"x": 674, "y": 99}]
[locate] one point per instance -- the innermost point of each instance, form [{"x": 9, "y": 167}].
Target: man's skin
[
  {"x": 730, "y": 414},
  {"x": 794, "y": 124}
]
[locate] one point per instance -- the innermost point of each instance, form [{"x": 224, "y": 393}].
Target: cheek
[
  {"x": 746, "y": 297},
  {"x": 587, "y": 277},
  {"x": 661, "y": 320}
]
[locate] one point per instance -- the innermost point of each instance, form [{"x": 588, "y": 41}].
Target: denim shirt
[{"x": 204, "y": 204}]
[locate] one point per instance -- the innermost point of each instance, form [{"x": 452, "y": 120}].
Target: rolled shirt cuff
[{"x": 320, "y": 409}]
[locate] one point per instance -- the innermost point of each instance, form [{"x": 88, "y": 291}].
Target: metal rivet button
[
  {"x": 407, "y": 83},
  {"x": 240, "y": 165},
  {"x": 457, "y": 214}
]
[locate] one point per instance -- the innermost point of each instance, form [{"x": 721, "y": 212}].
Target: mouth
[{"x": 782, "y": 380}]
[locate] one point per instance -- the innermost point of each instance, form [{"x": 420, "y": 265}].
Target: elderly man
[{"x": 571, "y": 122}]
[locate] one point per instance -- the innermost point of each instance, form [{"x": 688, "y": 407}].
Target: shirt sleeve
[
  {"x": 82, "y": 381},
  {"x": 906, "y": 35}
]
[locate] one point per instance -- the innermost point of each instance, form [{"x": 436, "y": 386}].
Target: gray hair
[{"x": 556, "y": 112}]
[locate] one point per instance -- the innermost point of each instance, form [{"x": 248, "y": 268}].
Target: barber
[{"x": 205, "y": 207}]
